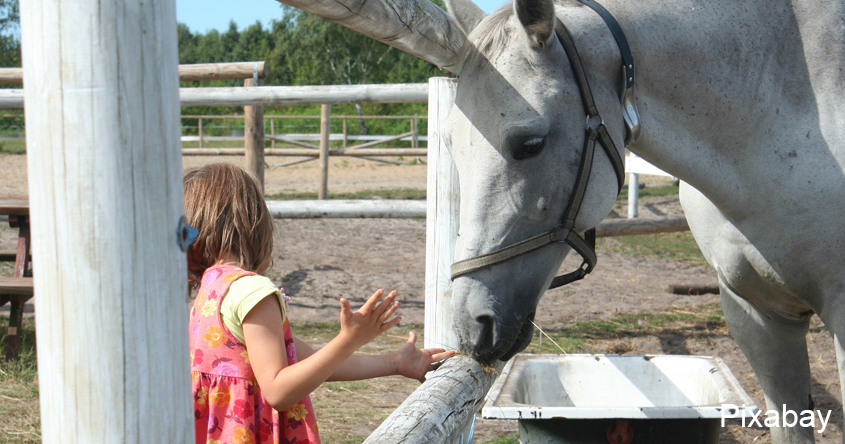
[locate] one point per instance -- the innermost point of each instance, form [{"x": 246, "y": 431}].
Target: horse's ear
[
  {"x": 465, "y": 13},
  {"x": 537, "y": 18}
]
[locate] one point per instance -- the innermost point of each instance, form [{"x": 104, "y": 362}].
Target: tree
[
  {"x": 321, "y": 52},
  {"x": 10, "y": 45}
]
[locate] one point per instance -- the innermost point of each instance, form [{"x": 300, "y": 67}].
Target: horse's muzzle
[{"x": 489, "y": 340}]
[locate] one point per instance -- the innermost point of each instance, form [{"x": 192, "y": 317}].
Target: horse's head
[{"x": 517, "y": 134}]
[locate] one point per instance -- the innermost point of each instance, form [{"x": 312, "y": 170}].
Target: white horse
[{"x": 741, "y": 99}]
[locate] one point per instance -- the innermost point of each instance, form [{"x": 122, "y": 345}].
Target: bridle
[{"x": 595, "y": 132}]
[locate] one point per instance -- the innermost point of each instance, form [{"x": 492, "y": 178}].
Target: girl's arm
[
  {"x": 283, "y": 385},
  {"x": 408, "y": 361}
]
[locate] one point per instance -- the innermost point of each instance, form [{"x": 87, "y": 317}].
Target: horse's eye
[{"x": 530, "y": 148}]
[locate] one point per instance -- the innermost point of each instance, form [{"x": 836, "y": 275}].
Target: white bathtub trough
[{"x": 612, "y": 387}]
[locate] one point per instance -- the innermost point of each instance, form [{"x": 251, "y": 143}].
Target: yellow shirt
[{"x": 243, "y": 295}]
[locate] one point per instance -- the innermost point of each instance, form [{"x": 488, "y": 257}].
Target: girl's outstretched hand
[
  {"x": 372, "y": 319},
  {"x": 414, "y": 363}
]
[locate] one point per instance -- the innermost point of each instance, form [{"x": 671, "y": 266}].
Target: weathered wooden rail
[{"x": 198, "y": 71}]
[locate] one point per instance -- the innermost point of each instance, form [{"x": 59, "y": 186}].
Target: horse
[{"x": 741, "y": 100}]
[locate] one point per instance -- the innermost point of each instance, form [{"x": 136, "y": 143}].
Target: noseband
[{"x": 596, "y": 132}]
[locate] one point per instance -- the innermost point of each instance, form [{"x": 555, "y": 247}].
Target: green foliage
[
  {"x": 10, "y": 45},
  {"x": 303, "y": 49}
]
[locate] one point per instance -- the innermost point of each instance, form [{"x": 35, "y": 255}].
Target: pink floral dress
[{"x": 228, "y": 405}]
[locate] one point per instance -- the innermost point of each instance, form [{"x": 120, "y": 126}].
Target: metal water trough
[{"x": 620, "y": 399}]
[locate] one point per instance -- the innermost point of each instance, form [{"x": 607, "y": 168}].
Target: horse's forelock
[{"x": 489, "y": 38}]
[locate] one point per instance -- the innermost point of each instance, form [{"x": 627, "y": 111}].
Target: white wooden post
[
  {"x": 105, "y": 184},
  {"x": 443, "y": 407},
  {"x": 441, "y": 219}
]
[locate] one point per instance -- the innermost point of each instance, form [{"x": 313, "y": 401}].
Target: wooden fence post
[
  {"x": 415, "y": 136},
  {"x": 441, "y": 410},
  {"x": 325, "y": 136},
  {"x": 199, "y": 131},
  {"x": 105, "y": 194},
  {"x": 442, "y": 220},
  {"x": 254, "y": 137}
]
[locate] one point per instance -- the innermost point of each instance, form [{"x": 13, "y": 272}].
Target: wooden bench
[
  {"x": 15, "y": 290},
  {"x": 18, "y": 289},
  {"x": 9, "y": 255}
]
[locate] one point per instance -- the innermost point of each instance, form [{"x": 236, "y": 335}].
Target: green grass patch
[
  {"x": 323, "y": 330},
  {"x": 13, "y": 147},
  {"x": 346, "y": 385},
  {"x": 19, "y": 390},
  {"x": 678, "y": 246},
  {"x": 502, "y": 440},
  {"x": 383, "y": 193},
  {"x": 655, "y": 191},
  {"x": 573, "y": 337}
]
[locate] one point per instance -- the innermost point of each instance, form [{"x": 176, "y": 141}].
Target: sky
[{"x": 204, "y": 15}]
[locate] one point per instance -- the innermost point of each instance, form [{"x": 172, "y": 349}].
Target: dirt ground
[{"x": 318, "y": 261}]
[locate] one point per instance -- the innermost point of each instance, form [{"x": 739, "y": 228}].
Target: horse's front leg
[
  {"x": 777, "y": 351},
  {"x": 833, "y": 317}
]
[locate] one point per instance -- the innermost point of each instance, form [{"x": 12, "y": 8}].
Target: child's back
[{"x": 228, "y": 404}]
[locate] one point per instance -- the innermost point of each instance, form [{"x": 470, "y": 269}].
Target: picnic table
[{"x": 17, "y": 289}]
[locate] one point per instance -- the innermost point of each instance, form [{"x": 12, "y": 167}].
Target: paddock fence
[{"x": 254, "y": 97}]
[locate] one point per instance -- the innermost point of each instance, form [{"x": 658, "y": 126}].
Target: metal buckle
[{"x": 591, "y": 119}]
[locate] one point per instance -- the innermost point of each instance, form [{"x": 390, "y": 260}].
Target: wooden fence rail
[{"x": 198, "y": 71}]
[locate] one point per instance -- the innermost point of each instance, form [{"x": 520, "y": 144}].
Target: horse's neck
[{"x": 729, "y": 95}]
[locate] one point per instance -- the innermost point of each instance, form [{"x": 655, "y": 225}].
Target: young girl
[{"x": 250, "y": 376}]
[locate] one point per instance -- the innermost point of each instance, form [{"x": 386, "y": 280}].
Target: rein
[{"x": 595, "y": 132}]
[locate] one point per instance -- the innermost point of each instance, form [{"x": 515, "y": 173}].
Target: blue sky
[{"x": 204, "y": 15}]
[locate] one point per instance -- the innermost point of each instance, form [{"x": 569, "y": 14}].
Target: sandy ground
[{"x": 319, "y": 261}]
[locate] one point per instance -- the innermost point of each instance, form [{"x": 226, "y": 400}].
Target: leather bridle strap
[{"x": 565, "y": 232}]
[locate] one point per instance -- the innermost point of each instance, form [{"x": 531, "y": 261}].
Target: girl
[{"x": 250, "y": 376}]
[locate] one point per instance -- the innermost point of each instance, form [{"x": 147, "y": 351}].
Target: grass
[
  {"x": 382, "y": 193},
  {"x": 652, "y": 191},
  {"x": 502, "y": 440},
  {"x": 19, "y": 391},
  {"x": 13, "y": 147},
  {"x": 679, "y": 246},
  {"x": 577, "y": 337}
]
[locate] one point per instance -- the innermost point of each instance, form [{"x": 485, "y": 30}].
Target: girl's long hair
[{"x": 225, "y": 204}]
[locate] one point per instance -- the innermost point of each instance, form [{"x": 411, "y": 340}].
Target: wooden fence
[{"x": 254, "y": 98}]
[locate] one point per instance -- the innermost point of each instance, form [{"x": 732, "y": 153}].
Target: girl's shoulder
[{"x": 243, "y": 295}]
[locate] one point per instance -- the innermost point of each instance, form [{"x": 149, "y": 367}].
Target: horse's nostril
[{"x": 485, "y": 333}]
